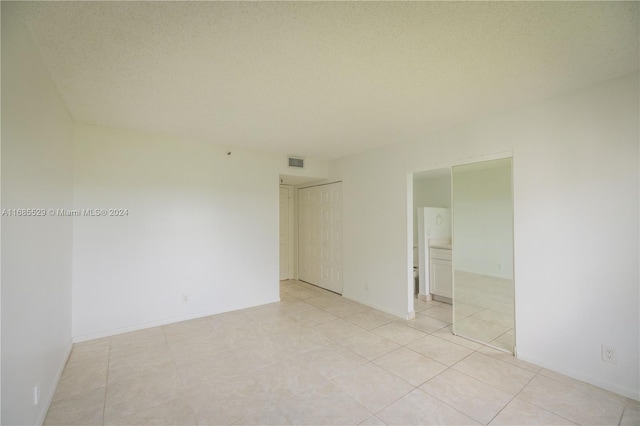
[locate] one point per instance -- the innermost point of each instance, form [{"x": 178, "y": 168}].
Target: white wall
[
  {"x": 483, "y": 218},
  {"x": 199, "y": 222},
  {"x": 576, "y": 211},
  {"x": 36, "y": 251}
]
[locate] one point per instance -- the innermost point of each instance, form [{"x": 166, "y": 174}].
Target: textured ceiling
[{"x": 322, "y": 79}]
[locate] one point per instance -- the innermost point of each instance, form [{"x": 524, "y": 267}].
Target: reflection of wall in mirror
[{"x": 483, "y": 219}]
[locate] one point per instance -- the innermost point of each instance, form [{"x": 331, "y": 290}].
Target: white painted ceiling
[{"x": 322, "y": 79}]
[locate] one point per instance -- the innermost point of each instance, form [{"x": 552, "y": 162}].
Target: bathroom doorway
[{"x": 431, "y": 214}]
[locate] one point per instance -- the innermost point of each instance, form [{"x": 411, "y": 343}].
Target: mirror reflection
[{"x": 483, "y": 286}]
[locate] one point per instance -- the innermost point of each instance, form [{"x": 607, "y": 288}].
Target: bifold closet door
[{"x": 320, "y": 236}]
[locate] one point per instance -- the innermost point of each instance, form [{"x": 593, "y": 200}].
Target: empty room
[{"x": 320, "y": 213}]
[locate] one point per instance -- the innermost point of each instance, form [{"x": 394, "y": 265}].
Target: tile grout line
[
  {"x": 512, "y": 398},
  {"x": 175, "y": 364},
  {"x": 104, "y": 406}
]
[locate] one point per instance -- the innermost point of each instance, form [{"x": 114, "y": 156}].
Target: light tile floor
[
  {"x": 317, "y": 358},
  {"x": 484, "y": 309}
]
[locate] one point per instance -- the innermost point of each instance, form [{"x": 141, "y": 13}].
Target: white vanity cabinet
[{"x": 440, "y": 272}]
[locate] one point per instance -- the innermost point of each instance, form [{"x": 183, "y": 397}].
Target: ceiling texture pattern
[{"x": 322, "y": 79}]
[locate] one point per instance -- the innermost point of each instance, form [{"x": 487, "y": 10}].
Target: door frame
[{"x": 290, "y": 223}]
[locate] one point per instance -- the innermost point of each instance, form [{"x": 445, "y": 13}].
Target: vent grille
[{"x": 296, "y": 162}]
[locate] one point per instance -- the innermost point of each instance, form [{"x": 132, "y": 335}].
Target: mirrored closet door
[{"x": 483, "y": 285}]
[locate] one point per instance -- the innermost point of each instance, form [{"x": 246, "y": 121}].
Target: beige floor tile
[
  {"x": 294, "y": 307},
  {"x": 370, "y": 319},
  {"x": 424, "y": 323},
  {"x": 263, "y": 313},
  {"x": 288, "y": 285},
  {"x": 440, "y": 350},
  {"x": 281, "y": 325},
  {"x": 187, "y": 330},
  {"x": 505, "y": 341},
  {"x": 83, "y": 409},
  {"x": 325, "y": 405},
  {"x": 372, "y": 386},
  {"x": 151, "y": 359},
  {"x": 372, "y": 421},
  {"x": 287, "y": 378},
  {"x": 442, "y": 312},
  {"x": 227, "y": 319},
  {"x": 243, "y": 367},
  {"x": 322, "y": 301},
  {"x": 420, "y": 306},
  {"x": 269, "y": 417},
  {"x": 196, "y": 349},
  {"x": 338, "y": 329},
  {"x": 84, "y": 372},
  {"x": 572, "y": 401},
  {"x": 80, "y": 358},
  {"x": 508, "y": 358},
  {"x": 330, "y": 361},
  {"x": 130, "y": 396},
  {"x": 466, "y": 310},
  {"x": 520, "y": 412},
  {"x": 418, "y": 408},
  {"x": 496, "y": 373},
  {"x": 633, "y": 404},
  {"x": 293, "y": 344},
  {"x": 304, "y": 293},
  {"x": 410, "y": 366},
  {"x": 495, "y": 317},
  {"x": 369, "y": 345},
  {"x": 399, "y": 333},
  {"x": 344, "y": 309},
  {"x": 631, "y": 415},
  {"x": 129, "y": 343},
  {"x": 447, "y": 334},
  {"x": 228, "y": 401},
  {"x": 286, "y": 297},
  {"x": 313, "y": 317},
  {"x": 203, "y": 372},
  {"x": 582, "y": 385},
  {"x": 96, "y": 345},
  {"x": 257, "y": 355},
  {"x": 478, "y": 329},
  {"x": 172, "y": 413},
  {"x": 232, "y": 339},
  {"x": 470, "y": 396}
]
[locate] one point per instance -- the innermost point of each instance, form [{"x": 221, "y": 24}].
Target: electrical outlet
[
  {"x": 500, "y": 266},
  {"x": 609, "y": 354},
  {"x": 366, "y": 286},
  {"x": 36, "y": 395},
  {"x": 185, "y": 297}
]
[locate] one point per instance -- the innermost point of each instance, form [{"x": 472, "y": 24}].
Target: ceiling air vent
[{"x": 296, "y": 162}]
